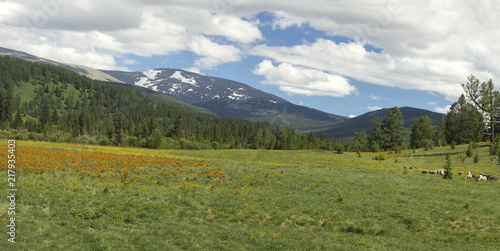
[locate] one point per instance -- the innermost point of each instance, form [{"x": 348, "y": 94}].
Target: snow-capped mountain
[{"x": 227, "y": 97}]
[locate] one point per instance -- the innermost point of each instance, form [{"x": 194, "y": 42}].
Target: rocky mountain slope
[
  {"x": 227, "y": 97},
  {"x": 83, "y": 70}
]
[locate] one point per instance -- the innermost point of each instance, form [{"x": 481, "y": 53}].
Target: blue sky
[{"x": 342, "y": 57}]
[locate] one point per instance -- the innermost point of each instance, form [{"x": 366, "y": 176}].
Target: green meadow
[{"x": 110, "y": 198}]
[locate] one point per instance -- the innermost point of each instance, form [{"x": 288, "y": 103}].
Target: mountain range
[
  {"x": 234, "y": 99},
  {"x": 228, "y": 98}
]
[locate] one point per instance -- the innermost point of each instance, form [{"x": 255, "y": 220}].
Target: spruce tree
[
  {"x": 118, "y": 128},
  {"x": 392, "y": 126},
  {"x": 44, "y": 117},
  {"x": 9, "y": 104},
  {"x": 177, "y": 130},
  {"x": 18, "y": 120},
  {"x": 421, "y": 133},
  {"x": 447, "y": 168}
]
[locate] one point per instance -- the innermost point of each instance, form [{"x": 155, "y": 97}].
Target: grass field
[{"x": 81, "y": 197}]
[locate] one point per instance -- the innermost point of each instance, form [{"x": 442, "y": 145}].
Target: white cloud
[
  {"x": 212, "y": 53},
  {"x": 300, "y": 80},
  {"x": 432, "y": 103},
  {"x": 352, "y": 116},
  {"x": 442, "y": 109},
  {"x": 426, "y": 45},
  {"x": 354, "y": 61},
  {"x": 374, "y": 97},
  {"x": 193, "y": 69},
  {"x": 128, "y": 27},
  {"x": 373, "y": 108}
]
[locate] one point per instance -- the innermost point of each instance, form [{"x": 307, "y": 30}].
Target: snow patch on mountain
[
  {"x": 236, "y": 96},
  {"x": 178, "y": 75},
  {"x": 149, "y": 79},
  {"x": 151, "y": 74}
]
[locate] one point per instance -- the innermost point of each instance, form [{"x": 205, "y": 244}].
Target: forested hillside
[{"x": 45, "y": 102}]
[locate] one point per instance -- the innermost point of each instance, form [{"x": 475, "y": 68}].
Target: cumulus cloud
[
  {"x": 212, "y": 53},
  {"x": 442, "y": 109},
  {"x": 304, "y": 81},
  {"x": 373, "y": 108},
  {"x": 354, "y": 61},
  {"x": 426, "y": 45},
  {"x": 115, "y": 28}
]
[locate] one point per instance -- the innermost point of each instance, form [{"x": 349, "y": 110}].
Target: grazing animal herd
[{"x": 469, "y": 176}]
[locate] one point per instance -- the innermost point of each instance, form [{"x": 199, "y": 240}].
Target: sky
[{"x": 342, "y": 57}]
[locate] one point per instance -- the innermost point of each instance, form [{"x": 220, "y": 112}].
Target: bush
[
  {"x": 469, "y": 152},
  {"x": 495, "y": 148},
  {"x": 379, "y": 157},
  {"x": 476, "y": 158},
  {"x": 452, "y": 145},
  {"x": 340, "y": 149},
  {"x": 447, "y": 168}
]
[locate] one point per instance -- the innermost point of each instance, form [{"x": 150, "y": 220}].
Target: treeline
[
  {"x": 50, "y": 103},
  {"x": 465, "y": 122}
]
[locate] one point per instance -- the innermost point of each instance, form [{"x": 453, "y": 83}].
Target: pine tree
[
  {"x": 392, "y": 126},
  {"x": 18, "y": 120},
  {"x": 82, "y": 121},
  {"x": 9, "y": 105},
  {"x": 118, "y": 127},
  {"x": 177, "y": 130},
  {"x": 447, "y": 168},
  {"x": 54, "y": 119},
  {"x": 377, "y": 136},
  {"x": 2, "y": 108},
  {"x": 463, "y": 122},
  {"x": 421, "y": 133},
  {"x": 44, "y": 117},
  {"x": 439, "y": 135}
]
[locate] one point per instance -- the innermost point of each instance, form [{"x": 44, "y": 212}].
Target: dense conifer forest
[{"x": 50, "y": 103}]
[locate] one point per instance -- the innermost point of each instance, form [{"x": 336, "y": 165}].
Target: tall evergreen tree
[
  {"x": 44, "y": 117},
  {"x": 118, "y": 128},
  {"x": 392, "y": 125},
  {"x": 177, "y": 130},
  {"x": 421, "y": 133},
  {"x": 54, "y": 119},
  {"x": 360, "y": 141},
  {"x": 463, "y": 123},
  {"x": 439, "y": 134},
  {"x": 377, "y": 136},
  {"x": 9, "y": 104},
  {"x": 82, "y": 121},
  {"x": 18, "y": 120}
]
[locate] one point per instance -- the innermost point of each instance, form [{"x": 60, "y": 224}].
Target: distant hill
[
  {"x": 347, "y": 129},
  {"x": 83, "y": 70}
]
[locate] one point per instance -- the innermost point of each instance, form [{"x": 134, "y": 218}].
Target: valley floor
[{"x": 81, "y": 197}]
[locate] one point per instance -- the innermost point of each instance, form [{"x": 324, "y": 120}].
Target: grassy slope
[{"x": 310, "y": 200}]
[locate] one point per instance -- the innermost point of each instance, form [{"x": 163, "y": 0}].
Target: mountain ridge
[
  {"x": 346, "y": 129},
  {"x": 227, "y": 97},
  {"x": 80, "y": 69},
  {"x": 233, "y": 99}
]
